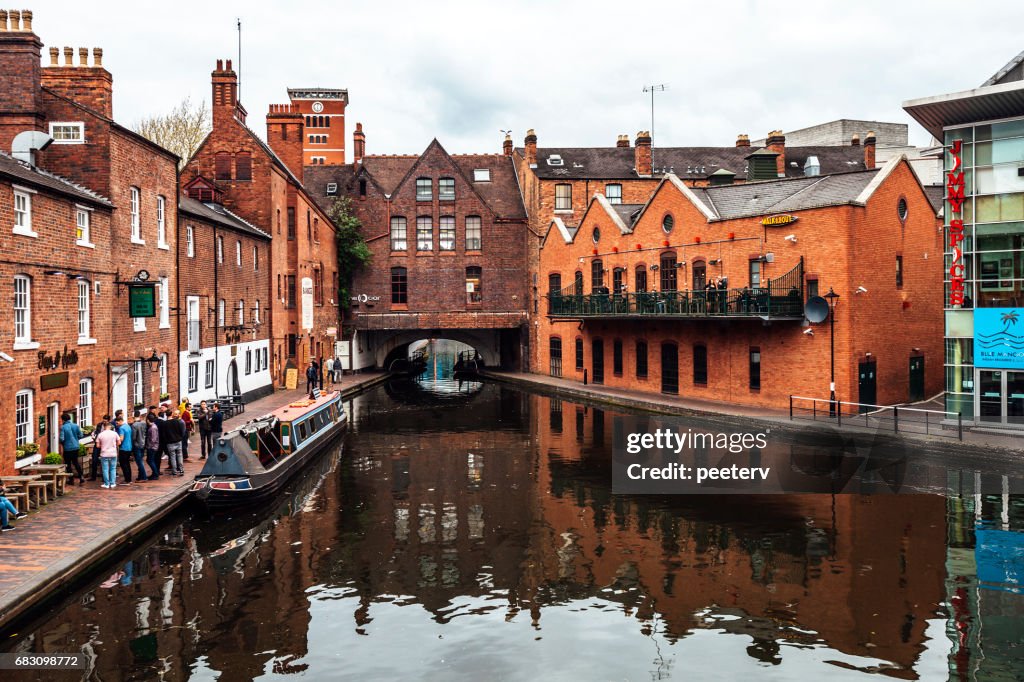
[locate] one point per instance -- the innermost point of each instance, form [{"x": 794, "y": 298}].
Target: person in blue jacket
[{"x": 70, "y": 437}]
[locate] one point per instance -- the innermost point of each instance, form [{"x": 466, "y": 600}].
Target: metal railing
[
  {"x": 439, "y": 320},
  {"x": 780, "y": 298},
  {"x": 893, "y": 418}
]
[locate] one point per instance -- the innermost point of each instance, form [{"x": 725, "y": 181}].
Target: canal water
[{"x": 464, "y": 530}]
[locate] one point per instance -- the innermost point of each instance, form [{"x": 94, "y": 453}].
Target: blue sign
[{"x": 999, "y": 338}]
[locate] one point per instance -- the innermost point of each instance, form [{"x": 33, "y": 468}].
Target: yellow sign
[
  {"x": 291, "y": 379},
  {"x": 778, "y": 220}
]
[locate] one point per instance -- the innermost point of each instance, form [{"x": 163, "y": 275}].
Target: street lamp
[{"x": 833, "y": 299}]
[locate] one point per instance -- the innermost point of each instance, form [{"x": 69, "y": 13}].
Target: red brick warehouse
[{"x": 630, "y": 303}]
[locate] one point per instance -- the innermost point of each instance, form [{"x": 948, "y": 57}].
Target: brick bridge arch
[{"x": 486, "y": 342}]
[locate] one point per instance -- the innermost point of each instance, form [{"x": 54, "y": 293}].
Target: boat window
[{"x": 300, "y": 432}]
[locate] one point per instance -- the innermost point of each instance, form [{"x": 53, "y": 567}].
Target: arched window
[
  {"x": 554, "y": 282},
  {"x": 222, "y": 166},
  {"x": 555, "y": 356},
  {"x": 700, "y": 278},
  {"x": 474, "y": 236},
  {"x": 241, "y": 312},
  {"x": 577, "y": 283},
  {"x": 446, "y": 233},
  {"x": 243, "y": 166},
  {"x": 669, "y": 276},
  {"x": 640, "y": 278},
  {"x": 424, "y": 234},
  {"x": 596, "y": 276}
]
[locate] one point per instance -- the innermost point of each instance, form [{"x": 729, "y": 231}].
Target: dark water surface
[{"x": 466, "y": 531}]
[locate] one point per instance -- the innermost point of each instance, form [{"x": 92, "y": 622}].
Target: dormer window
[
  {"x": 555, "y": 160},
  {"x": 332, "y": 189},
  {"x": 68, "y": 133},
  {"x": 481, "y": 175},
  {"x": 812, "y": 166}
]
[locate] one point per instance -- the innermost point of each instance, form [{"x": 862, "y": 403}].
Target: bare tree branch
[{"x": 181, "y": 131}]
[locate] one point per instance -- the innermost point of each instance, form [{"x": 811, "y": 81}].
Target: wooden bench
[
  {"x": 19, "y": 500},
  {"x": 62, "y": 481},
  {"x": 38, "y": 489}
]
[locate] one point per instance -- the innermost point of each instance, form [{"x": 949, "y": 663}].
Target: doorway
[
  {"x": 53, "y": 427},
  {"x": 868, "y": 371},
  {"x": 669, "y": 368},
  {"x": 916, "y": 392},
  {"x": 232, "y": 384},
  {"x": 119, "y": 392},
  {"x": 597, "y": 358},
  {"x": 1000, "y": 396}
]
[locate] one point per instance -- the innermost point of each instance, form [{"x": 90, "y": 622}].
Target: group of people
[
  {"x": 318, "y": 369},
  {"x": 152, "y": 436}
]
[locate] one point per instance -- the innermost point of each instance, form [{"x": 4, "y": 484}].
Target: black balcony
[{"x": 781, "y": 299}]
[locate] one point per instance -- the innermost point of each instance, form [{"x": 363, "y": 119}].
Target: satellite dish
[{"x": 816, "y": 309}]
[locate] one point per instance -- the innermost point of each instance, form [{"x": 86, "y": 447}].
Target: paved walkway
[
  {"x": 684, "y": 405},
  {"x": 88, "y": 523}
]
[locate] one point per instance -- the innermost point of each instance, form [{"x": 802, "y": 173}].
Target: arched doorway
[{"x": 232, "y": 383}]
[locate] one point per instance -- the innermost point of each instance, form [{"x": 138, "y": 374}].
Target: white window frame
[
  {"x": 71, "y": 125},
  {"x": 479, "y": 229},
  {"x": 165, "y": 303},
  {"x": 23, "y": 310},
  {"x": 134, "y": 205},
  {"x": 163, "y": 373},
  {"x": 85, "y": 313},
  {"x": 190, "y": 243},
  {"x": 238, "y": 252},
  {"x": 23, "y": 407},
  {"x": 208, "y": 379},
  {"x": 83, "y": 226},
  {"x": 446, "y": 189},
  {"x": 567, "y": 199},
  {"x": 23, "y": 214},
  {"x": 85, "y": 402},
  {"x": 161, "y": 223},
  {"x": 220, "y": 249},
  {"x": 220, "y": 312},
  {"x": 613, "y": 199},
  {"x": 481, "y": 175},
  {"x": 256, "y": 313},
  {"x": 137, "y": 397},
  {"x": 248, "y": 361},
  {"x": 446, "y": 232},
  {"x": 193, "y": 377},
  {"x": 241, "y": 312},
  {"x": 255, "y": 258}
]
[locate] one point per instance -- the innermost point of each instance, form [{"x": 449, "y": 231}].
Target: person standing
[
  {"x": 337, "y": 369},
  {"x": 190, "y": 427},
  {"x": 107, "y": 442},
  {"x": 311, "y": 376},
  {"x": 139, "y": 432},
  {"x": 70, "y": 438},
  {"x": 216, "y": 425},
  {"x": 152, "y": 446},
  {"x": 125, "y": 449},
  {"x": 94, "y": 462},
  {"x": 202, "y": 419},
  {"x": 161, "y": 425},
  {"x": 329, "y": 366},
  {"x": 176, "y": 433}
]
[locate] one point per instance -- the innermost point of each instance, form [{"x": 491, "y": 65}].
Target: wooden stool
[{"x": 40, "y": 492}]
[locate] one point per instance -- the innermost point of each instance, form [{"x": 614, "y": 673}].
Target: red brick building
[
  {"x": 447, "y": 237},
  {"x": 224, "y": 331},
  {"x": 629, "y": 303},
  {"x": 561, "y": 181},
  {"x": 262, "y": 183},
  {"x": 72, "y": 104},
  {"x": 323, "y": 110}
]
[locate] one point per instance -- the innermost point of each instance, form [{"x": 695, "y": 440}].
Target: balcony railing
[{"x": 781, "y": 299}]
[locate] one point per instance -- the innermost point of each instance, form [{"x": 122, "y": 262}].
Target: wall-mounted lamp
[
  {"x": 715, "y": 261},
  {"x": 53, "y": 272},
  {"x": 655, "y": 267},
  {"x": 681, "y": 264},
  {"x": 861, "y": 290},
  {"x": 791, "y": 238},
  {"x": 916, "y": 350},
  {"x": 809, "y": 331}
]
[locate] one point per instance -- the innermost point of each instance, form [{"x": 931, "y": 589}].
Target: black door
[
  {"x": 868, "y": 384},
  {"x": 916, "y": 378},
  {"x": 598, "y": 360},
  {"x": 669, "y": 368}
]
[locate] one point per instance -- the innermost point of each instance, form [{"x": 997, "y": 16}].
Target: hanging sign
[
  {"x": 307, "y": 303},
  {"x": 955, "y": 197},
  {"x": 142, "y": 300}
]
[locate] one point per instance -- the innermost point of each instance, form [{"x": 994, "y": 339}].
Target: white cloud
[{"x": 460, "y": 71}]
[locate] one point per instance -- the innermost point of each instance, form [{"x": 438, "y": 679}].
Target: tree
[
  {"x": 180, "y": 131},
  {"x": 352, "y": 249}
]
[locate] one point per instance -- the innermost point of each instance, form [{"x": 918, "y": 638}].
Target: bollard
[{"x": 584, "y": 376}]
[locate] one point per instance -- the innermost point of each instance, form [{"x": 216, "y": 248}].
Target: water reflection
[{"x": 458, "y": 540}]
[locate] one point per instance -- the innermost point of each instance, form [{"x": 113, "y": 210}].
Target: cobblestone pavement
[{"x": 87, "y": 523}]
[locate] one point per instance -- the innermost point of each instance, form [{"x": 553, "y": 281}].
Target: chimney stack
[
  {"x": 869, "y": 150},
  {"x": 358, "y": 144},
  {"x": 642, "y": 154},
  {"x": 20, "y": 63},
  {"x": 225, "y": 94},
  {"x": 622, "y": 141},
  {"x": 776, "y": 142},
  {"x": 855, "y": 140},
  {"x": 90, "y": 86},
  {"x": 530, "y": 144},
  {"x": 285, "y": 132},
  {"x": 506, "y": 146},
  {"x": 743, "y": 140}
]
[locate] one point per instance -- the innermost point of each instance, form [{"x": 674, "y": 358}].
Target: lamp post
[
  {"x": 833, "y": 299},
  {"x": 154, "y": 360}
]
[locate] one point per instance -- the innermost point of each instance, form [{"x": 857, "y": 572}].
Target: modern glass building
[{"x": 983, "y": 134}]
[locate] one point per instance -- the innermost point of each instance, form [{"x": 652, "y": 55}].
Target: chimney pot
[
  {"x": 530, "y": 148},
  {"x": 3, "y": 20},
  {"x": 220, "y": 64},
  {"x": 54, "y": 56},
  {"x": 855, "y": 140},
  {"x": 26, "y": 20},
  {"x": 742, "y": 140},
  {"x": 869, "y": 150},
  {"x": 97, "y": 56},
  {"x": 83, "y": 56},
  {"x": 15, "y": 16},
  {"x": 229, "y": 65},
  {"x": 776, "y": 142},
  {"x": 69, "y": 56}
]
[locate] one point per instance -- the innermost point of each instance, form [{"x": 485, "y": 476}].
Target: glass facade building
[{"x": 982, "y": 132}]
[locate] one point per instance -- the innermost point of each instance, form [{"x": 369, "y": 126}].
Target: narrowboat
[{"x": 253, "y": 462}]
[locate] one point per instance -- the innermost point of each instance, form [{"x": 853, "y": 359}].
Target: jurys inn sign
[{"x": 365, "y": 298}]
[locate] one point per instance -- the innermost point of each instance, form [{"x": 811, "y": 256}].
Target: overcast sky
[{"x": 574, "y": 71}]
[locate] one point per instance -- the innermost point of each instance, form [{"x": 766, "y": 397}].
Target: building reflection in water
[{"x": 491, "y": 509}]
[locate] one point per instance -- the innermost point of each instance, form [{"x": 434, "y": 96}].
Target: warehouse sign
[
  {"x": 955, "y": 197},
  {"x": 142, "y": 300},
  {"x": 307, "y": 303},
  {"x": 778, "y": 220}
]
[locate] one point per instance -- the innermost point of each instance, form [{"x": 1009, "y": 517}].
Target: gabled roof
[
  {"x": 567, "y": 233},
  {"x": 688, "y": 163},
  {"x": 20, "y": 172},
  {"x": 218, "y": 214},
  {"x": 1004, "y": 74},
  {"x": 628, "y": 213}
]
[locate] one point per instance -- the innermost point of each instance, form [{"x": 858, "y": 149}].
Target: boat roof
[{"x": 299, "y": 408}]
